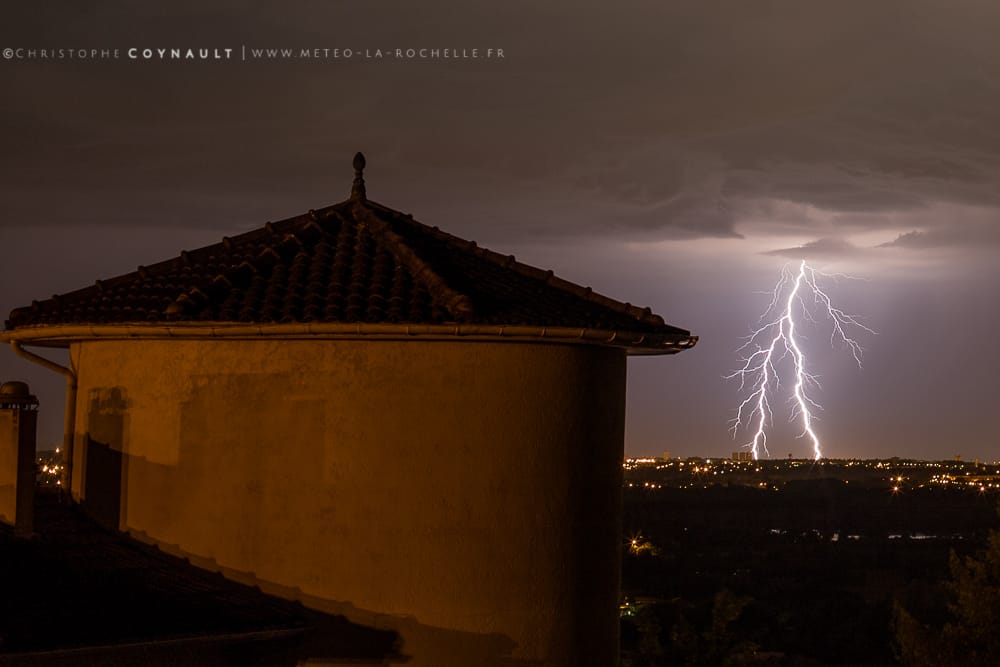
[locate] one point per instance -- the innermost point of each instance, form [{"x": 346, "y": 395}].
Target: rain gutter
[
  {"x": 64, "y": 335},
  {"x": 69, "y": 417}
]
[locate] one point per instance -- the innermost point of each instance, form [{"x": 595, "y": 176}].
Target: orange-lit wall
[
  {"x": 466, "y": 494},
  {"x": 8, "y": 466},
  {"x": 17, "y": 468}
]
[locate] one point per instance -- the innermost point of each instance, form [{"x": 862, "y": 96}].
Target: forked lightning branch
[{"x": 797, "y": 297}]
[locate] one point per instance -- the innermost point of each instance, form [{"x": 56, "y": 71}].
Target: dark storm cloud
[
  {"x": 883, "y": 108},
  {"x": 670, "y": 120}
]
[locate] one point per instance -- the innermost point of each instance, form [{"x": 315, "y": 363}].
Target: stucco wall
[
  {"x": 8, "y": 467},
  {"x": 17, "y": 468},
  {"x": 473, "y": 486}
]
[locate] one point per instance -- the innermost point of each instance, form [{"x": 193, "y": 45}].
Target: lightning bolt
[{"x": 775, "y": 340}]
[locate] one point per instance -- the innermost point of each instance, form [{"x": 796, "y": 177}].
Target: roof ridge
[
  {"x": 457, "y": 304},
  {"x": 644, "y": 315}
]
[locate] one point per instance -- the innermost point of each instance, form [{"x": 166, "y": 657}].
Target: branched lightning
[{"x": 775, "y": 340}]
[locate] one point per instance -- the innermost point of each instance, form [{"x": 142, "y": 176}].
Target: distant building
[
  {"x": 357, "y": 410},
  {"x": 742, "y": 456}
]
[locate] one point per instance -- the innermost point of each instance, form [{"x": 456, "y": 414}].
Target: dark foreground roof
[
  {"x": 79, "y": 595},
  {"x": 353, "y": 262}
]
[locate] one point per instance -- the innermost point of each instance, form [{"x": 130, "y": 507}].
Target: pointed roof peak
[{"x": 358, "y": 187}]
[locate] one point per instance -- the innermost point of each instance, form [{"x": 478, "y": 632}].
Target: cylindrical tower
[{"x": 361, "y": 411}]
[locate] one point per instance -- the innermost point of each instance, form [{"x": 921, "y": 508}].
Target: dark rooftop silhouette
[
  {"x": 77, "y": 594},
  {"x": 352, "y": 262}
]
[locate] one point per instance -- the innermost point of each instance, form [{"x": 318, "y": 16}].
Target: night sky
[{"x": 670, "y": 154}]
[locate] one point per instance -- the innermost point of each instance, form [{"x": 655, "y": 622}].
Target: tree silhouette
[
  {"x": 677, "y": 633},
  {"x": 971, "y": 634}
]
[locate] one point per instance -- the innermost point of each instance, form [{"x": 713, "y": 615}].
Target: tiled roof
[{"x": 353, "y": 262}]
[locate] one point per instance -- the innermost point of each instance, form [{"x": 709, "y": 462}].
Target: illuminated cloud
[
  {"x": 820, "y": 248},
  {"x": 914, "y": 239}
]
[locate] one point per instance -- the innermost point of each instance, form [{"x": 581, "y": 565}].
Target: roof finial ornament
[{"x": 358, "y": 188}]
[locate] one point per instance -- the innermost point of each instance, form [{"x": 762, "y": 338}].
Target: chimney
[{"x": 18, "y": 421}]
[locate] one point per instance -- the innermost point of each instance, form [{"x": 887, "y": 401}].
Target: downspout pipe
[{"x": 69, "y": 424}]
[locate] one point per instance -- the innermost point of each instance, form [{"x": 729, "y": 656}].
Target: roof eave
[{"x": 63, "y": 335}]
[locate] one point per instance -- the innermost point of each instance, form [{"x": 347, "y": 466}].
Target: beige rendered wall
[
  {"x": 8, "y": 466},
  {"x": 465, "y": 493}
]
